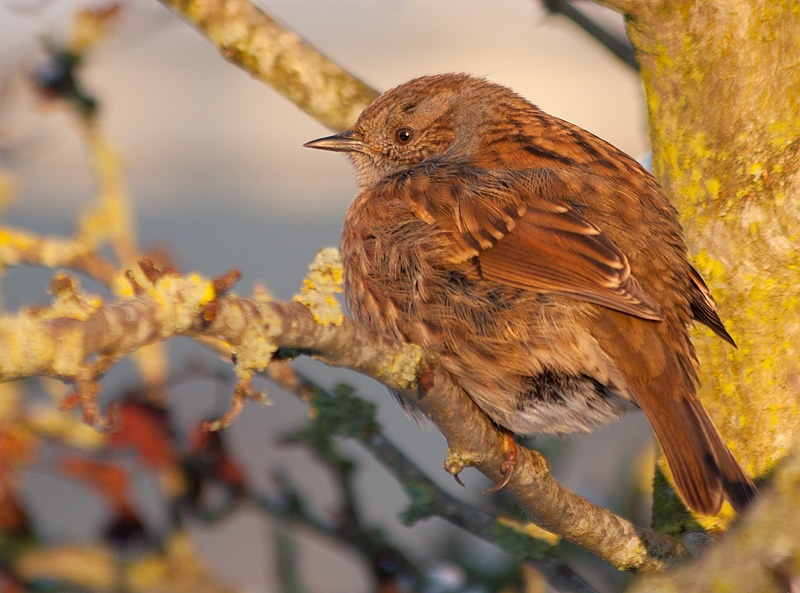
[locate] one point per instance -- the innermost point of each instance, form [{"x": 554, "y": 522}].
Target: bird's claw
[{"x": 509, "y": 463}]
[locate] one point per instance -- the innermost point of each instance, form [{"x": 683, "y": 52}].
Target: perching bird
[{"x": 547, "y": 267}]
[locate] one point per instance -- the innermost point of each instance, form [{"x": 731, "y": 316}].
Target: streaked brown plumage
[{"x": 546, "y": 265}]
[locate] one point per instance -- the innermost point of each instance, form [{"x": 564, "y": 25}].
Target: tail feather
[
  {"x": 657, "y": 363},
  {"x": 704, "y": 469}
]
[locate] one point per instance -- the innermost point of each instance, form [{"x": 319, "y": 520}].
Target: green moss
[
  {"x": 670, "y": 516},
  {"x": 420, "y": 506},
  {"x": 345, "y": 414}
]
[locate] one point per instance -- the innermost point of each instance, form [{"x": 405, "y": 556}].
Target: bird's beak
[{"x": 347, "y": 141}]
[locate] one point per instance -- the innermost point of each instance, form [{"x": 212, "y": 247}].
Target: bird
[{"x": 545, "y": 266}]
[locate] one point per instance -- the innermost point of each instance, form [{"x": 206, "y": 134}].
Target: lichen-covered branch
[
  {"x": 475, "y": 441},
  {"x": 253, "y": 40},
  {"x": 79, "y": 338},
  {"x": 20, "y": 247}
]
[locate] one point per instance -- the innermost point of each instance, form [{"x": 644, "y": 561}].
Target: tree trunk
[{"x": 722, "y": 80}]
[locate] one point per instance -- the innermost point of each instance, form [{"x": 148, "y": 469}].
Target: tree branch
[
  {"x": 335, "y": 414},
  {"x": 764, "y": 545},
  {"x": 19, "y": 247},
  {"x": 81, "y": 346}
]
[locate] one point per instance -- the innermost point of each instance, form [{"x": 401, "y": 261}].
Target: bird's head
[{"x": 428, "y": 118}]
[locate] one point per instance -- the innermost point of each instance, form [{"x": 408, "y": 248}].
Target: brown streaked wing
[
  {"x": 518, "y": 237},
  {"x": 562, "y": 253}
]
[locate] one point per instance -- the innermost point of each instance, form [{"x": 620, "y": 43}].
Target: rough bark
[{"x": 721, "y": 79}]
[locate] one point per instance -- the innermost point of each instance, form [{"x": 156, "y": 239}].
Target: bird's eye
[{"x": 403, "y": 135}]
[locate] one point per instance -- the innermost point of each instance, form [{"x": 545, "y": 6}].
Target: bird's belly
[
  {"x": 524, "y": 358},
  {"x": 559, "y": 404}
]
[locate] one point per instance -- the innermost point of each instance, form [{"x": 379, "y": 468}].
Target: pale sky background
[
  {"x": 192, "y": 127},
  {"x": 215, "y": 168}
]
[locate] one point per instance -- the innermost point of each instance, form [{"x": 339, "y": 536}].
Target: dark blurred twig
[
  {"x": 619, "y": 46},
  {"x": 333, "y": 414}
]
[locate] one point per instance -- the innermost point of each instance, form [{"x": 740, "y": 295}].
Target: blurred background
[{"x": 217, "y": 176}]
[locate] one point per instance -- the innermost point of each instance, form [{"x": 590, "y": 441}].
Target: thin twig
[{"x": 620, "y": 47}]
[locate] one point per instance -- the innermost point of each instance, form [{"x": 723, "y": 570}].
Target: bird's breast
[{"x": 390, "y": 275}]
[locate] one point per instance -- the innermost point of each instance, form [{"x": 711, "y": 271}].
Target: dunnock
[{"x": 547, "y": 267}]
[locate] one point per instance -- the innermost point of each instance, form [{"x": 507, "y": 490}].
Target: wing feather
[{"x": 522, "y": 239}]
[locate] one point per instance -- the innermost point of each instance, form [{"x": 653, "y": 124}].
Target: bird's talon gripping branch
[
  {"x": 426, "y": 382},
  {"x": 509, "y": 463}
]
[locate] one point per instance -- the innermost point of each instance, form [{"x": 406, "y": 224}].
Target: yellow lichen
[
  {"x": 709, "y": 268},
  {"x": 405, "y": 365},
  {"x": 23, "y": 345},
  {"x": 88, "y": 568},
  {"x": 72, "y": 304},
  {"x": 257, "y": 344},
  {"x": 67, "y": 428},
  {"x": 121, "y": 286},
  {"x": 69, "y": 353},
  {"x": 255, "y": 351},
  {"x": 12, "y": 243},
  {"x": 713, "y": 186},
  {"x": 756, "y": 171},
  {"x": 323, "y": 281},
  {"x": 181, "y": 298},
  {"x": 456, "y": 461},
  {"x": 531, "y": 529}
]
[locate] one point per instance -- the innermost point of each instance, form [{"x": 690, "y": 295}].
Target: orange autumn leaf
[{"x": 145, "y": 429}]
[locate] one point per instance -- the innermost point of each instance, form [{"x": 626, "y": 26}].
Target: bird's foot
[{"x": 509, "y": 463}]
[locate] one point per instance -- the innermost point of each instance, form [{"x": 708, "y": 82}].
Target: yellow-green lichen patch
[
  {"x": 713, "y": 186},
  {"x": 257, "y": 345},
  {"x": 323, "y": 281},
  {"x": 181, "y": 299},
  {"x": 11, "y": 245},
  {"x": 710, "y": 269},
  {"x": 718, "y": 522},
  {"x": 404, "y": 367},
  {"x": 456, "y": 461},
  {"x": 762, "y": 313},
  {"x": 23, "y": 346},
  {"x": 255, "y": 351},
  {"x": 70, "y": 302},
  {"x": 121, "y": 286},
  {"x": 69, "y": 353}
]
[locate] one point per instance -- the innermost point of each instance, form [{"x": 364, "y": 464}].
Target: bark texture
[{"x": 721, "y": 79}]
